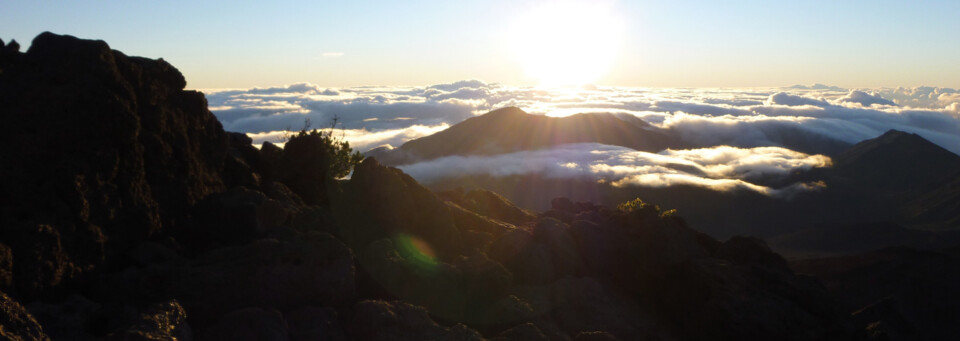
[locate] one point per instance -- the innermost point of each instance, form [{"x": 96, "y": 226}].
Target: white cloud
[
  {"x": 719, "y": 168},
  {"x": 331, "y": 54},
  {"x": 810, "y": 118},
  {"x": 360, "y": 139},
  {"x": 865, "y": 99}
]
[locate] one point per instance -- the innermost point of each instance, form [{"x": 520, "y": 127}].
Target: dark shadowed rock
[
  {"x": 385, "y": 202},
  {"x": 556, "y": 236},
  {"x": 238, "y": 215},
  {"x": 526, "y": 331},
  {"x": 16, "y": 323},
  {"x": 112, "y": 151},
  {"x": 750, "y": 250},
  {"x": 530, "y": 261},
  {"x": 584, "y": 305},
  {"x": 314, "y": 324},
  {"x": 70, "y": 319},
  {"x": 40, "y": 261},
  {"x": 476, "y": 230},
  {"x": 401, "y": 321},
  {"x": 315, "y": 270},
  {"x": 493, "y": 205},
  {"x": 6, "y": 268},
  {"x": 595, "y": 336},
  {"x": 249, "y": 324},
  {"x": 163, "y": 321},
  {"x": 884, "y": 321},
  {"x": 896, "y": 291}
]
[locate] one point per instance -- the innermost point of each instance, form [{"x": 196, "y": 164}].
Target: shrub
[{"x": 312, "y": 158}]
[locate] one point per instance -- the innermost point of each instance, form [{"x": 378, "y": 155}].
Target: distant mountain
[
  {"x": 938, "y": 208},
  {"x": 130, "y": 214},
  {"x": 511, "y": 129},
  {"x": 896, "y": 161}
]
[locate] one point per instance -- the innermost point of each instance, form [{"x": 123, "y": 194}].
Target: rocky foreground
[{"x": 128, "y": 213}]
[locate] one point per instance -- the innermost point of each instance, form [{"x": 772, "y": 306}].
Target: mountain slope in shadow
[
  {"x": 511, "y": 129},
  {"x": 216, "y": 241}
]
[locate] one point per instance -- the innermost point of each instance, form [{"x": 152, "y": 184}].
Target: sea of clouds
[{"x": 746, "y": 120}]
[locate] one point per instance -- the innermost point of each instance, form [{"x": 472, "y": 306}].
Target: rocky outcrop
[
  {"x": 16, "y": 323},
  {"x": 401, "y": 321},
  {"x": 109, "y": 151},
  {"x": 383, "y": 202},
  {"x": 130, "y": 214},
  {"x": 315, "y": 270}
]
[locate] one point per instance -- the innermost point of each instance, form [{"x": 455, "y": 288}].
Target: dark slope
[
  {"x": 99, "y": 152},
  {"x": 213, "y": 242},
  {"x": 896, "y": 162},
  {"x": 511, "y": 129},
  {"x": 900, "y": 293},
  {"x": 938, "y": 208}
]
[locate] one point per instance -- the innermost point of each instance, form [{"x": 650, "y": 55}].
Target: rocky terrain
[{"x": 129, "y": 214}]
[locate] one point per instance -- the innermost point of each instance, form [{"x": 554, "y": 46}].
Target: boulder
[
  {"x": 383, "y": 202},
  {"x": 163, "y": 321},
  {"x": 493, "y": 205},
  {"x": 315, "y": 270},
  {"x": 314, "y": 324},
  {"x": 396, "y": 320},
  {"x": 236, "y": 216},
  {"x": 70, "y": 319},
  {"x": 530, "y": 261},
  {"x": 16, "y": 323},
  {"x": 249, "y": 324},
  {"x": 563, "y": 249},
  {"x": 113, "y": 151},
  {"x": 522, "y": 332}
]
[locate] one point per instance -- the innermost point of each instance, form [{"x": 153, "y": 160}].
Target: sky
[{"x": 245, "y": 44}]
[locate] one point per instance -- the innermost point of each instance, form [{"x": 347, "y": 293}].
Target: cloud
[
  {"x": 783, "y": 98},
  {"x": 360, "y": 139},
  {"x": 817, "y": 86},
  {"x": 469, "y": 84},
  {"x": 922, "y": 97},
  {"x": 815, "y": 119},
  {"x": 331, "y": 54},
  {"x": 866, "y": 99},
  {"x": 721, "y": 168}
]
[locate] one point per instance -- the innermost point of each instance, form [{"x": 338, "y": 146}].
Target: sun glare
[{"x": 567, "y": 43}]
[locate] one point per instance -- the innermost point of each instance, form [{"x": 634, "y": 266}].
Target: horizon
[
  {"x": 138, "y": 208},
  {"x": 615, "y": 43}
]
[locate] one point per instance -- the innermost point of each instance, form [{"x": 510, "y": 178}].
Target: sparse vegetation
[
  {"x": 636, "y": 205},
  {"x": 312, "y": 157}
]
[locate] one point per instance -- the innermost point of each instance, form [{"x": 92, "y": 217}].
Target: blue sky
[{"x": 669, "y": 44}]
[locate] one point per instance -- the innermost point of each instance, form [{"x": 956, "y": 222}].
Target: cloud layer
[
  {"x": 740, "y": 132},
  {"x": 721, "y": 168},
  {"x": 704, "y": 117}
]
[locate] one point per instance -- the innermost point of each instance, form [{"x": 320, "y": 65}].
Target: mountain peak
[
  {"x": 506, "y": 111},
  {"x": 510, "y": 129},
  {"x": 897, "y": 160}
]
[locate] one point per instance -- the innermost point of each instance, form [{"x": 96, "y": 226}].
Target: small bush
[{"x": 312, "y": 158}]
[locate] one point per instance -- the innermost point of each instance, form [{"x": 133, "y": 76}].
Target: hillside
[
  {"x": 129, "y": 214},
  {"x": 897, "y": 162},
  {"x": 511, "y": 129}
]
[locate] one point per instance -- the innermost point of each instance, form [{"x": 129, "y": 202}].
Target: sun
[{"x": 567, "y": 43}]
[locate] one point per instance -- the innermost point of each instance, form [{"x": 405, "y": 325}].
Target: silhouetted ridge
[
  {"x": 511, "y": 129},
  {"x": 128, "y": 213},
  {"x": 897, "y": 161}
]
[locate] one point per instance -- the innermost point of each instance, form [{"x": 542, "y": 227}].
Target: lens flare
[{"x": 416, "y": 251}]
